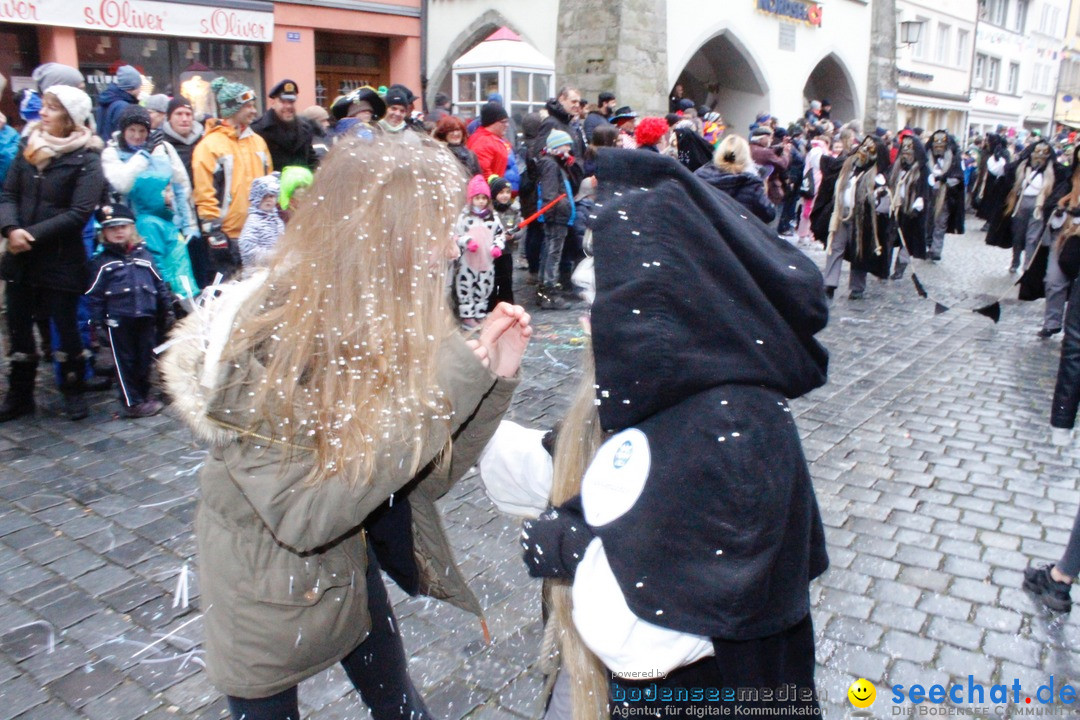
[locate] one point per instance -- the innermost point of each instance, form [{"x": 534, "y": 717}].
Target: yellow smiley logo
[{"x": 862, "y": 693}]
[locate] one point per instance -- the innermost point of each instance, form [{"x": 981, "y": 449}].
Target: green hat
[{"x": 231, "y": 96}]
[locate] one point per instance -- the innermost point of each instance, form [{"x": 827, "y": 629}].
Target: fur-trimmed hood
[{"x": 190, "y": 367}]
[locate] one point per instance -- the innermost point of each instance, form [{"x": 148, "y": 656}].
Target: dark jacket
[
  {"x": 746, "y": 188},
  {"x": 111, "y": 103},
  {"x": 777, "y": 163},
  {"x": 53, "y": 205},
  {"x": 1000, "y": 232},
  {"x": 289, "y": 143},
  {"x": 1067, "y": 390},
  {"x": 556, "y": 178},
  {"x": 184, "y": 146},
  {"x": 705, "y": 382},
  {"x": 557, "y": 119},
  {"x": 594, "y": 120},
  {"x": 467, "y": 158},
  {"x": 125, "y": 284}
]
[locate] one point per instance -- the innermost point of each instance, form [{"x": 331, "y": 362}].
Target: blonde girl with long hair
[{"x": 329, "y": 386}]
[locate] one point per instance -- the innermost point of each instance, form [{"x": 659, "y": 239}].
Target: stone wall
[{"x": 615, "y": 45}]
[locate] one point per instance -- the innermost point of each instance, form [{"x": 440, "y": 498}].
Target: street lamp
[{"x": 910, "y": 32}]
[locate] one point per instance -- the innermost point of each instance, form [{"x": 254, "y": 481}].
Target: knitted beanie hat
[
  {"x": 175, "y": 104},
  {"x": 498, "y": 184},
  {"x": 231, "y": 96},
  {"x": 128, "y": 78},
  {"x": 478, "y": 186},
  {"x": 157, "y": 103},
  {"x": 492, "y": 113},
  {"x": 52, "y": 73},
  {"x": 557, "y": 138},
  {"x": 133, "y": 115},
  {"x": 76, "y": 103},
  {"x": 650, "y": 130}
]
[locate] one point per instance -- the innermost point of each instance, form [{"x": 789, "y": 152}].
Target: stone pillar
[
  {"x": 614, "y": 45},
  {"x": 881, "y": 81}
]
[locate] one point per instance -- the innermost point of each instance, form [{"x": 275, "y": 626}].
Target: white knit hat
[{"x": 75, "y": 102}]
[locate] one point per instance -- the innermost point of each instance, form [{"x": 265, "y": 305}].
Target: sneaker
[
  {"x": 74, "y": 406},
  {"x": 855, "y": 295},
  {"x": 935, "y": 258},
  {"x": 548, "y": 298},
  {"x": 1014, "y": 271},
  {"x": 1054, "y": 594},
  {"x": 898, "y": 274},
  {"x": 1047, "y": 332},
  {"x": 147, "y": 408}
]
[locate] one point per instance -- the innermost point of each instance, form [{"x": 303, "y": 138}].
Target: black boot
[
  {"x": 548, "y": 298},
  {"x": 19, "y": 400},
  {"x": 72, "y": 385}
]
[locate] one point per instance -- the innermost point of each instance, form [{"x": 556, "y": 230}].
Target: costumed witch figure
[
  {"x": 1021, "y": 221},
  {"x": 990, "y": 190},
  {"x": 696, "y": 532},
  {"x": 859, "y": 221},
  {"x": 947, "y": 180},
  {"x": 910, "y": 201},
  {"x": 1045, "y": 277}
]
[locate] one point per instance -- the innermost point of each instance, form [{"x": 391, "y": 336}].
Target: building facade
[
  {"x": 1046, "y": 28},
  {"x": 934, "y": 74},
  {"x": 1067, "y": 110},
  {"x": 327, "y": 48},
  {"x": 740, "y": 57}
]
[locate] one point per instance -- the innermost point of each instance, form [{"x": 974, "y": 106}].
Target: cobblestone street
[{"x": 929, "y": 449}]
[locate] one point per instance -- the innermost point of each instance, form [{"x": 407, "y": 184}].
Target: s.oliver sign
[{"x": 145, "y": 17}]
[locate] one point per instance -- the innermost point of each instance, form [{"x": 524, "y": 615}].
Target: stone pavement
[{"x": 929, "y": 454}]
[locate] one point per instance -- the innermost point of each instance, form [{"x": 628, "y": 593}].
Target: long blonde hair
[
  {"x": 732, "y": 154},
  {"x": 579, "y": 438},
  {"x": 350, "y": 319}
]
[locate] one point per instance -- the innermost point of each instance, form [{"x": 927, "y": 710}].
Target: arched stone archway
[
  {"x": 722, "y": 71},
  {"x": 439, "y": 79},
  {"x": 830, "y": 80}
]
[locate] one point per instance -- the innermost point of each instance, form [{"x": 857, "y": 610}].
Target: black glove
[
  {"x": 555, "y": 542},
  {"x": 224, "y": 253},
  {"x": 152, "y": 142}
]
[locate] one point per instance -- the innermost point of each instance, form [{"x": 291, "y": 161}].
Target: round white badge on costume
[{"x": 616, "y": 477}]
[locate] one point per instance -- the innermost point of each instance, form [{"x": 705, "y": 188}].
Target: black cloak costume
[
  {"x": 694, "y": 150},
  {"x": 910, "y": 223},
  {"x": 703, "y": 324},
  {"x": 948, "y": 198},
  {"x": 826, "y": 196},
  {"x": 872, "y": 249},
  {"x": 989, "y": 192},
  {"x": 1033, "y": 282}
]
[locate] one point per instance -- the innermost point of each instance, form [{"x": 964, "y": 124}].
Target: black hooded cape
[
  {"x": 955, "y": 195},
  {"x": 990, "y": 191},
  {"x": 914, "y": 226},
  {"x": 703, "y": 324},
  {"x": 1000, "y": 232}
]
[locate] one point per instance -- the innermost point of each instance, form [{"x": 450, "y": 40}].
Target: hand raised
[{"x": 504, "y": 335}]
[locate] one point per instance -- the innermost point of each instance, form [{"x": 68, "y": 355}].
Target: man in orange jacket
[{"x": 224, "y": 163}]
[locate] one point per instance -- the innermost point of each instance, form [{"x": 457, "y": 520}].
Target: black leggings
[{"x": 377, "y": 668}]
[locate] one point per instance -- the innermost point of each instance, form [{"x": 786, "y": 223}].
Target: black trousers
[
  {"x": 534, "y": 243},
  {"x": 782, "y": 664},
  {"x": 504, "y": 280},
  {"x": 25, "y": 302},
  {"x": 132, "y": 343},
  {"x": 377, "y": 669}
]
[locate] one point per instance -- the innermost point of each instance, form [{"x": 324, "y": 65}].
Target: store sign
[
  {"x": 1038, "y": 107},
  {"x": 148, "y": 17},
  {"x": 800, "y": 10},
  {"x": 991, "y": 99}
]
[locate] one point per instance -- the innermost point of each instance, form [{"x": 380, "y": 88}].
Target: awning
[
  {"x": 244, "y": 22},
  {"x": 920, "y": 101}
]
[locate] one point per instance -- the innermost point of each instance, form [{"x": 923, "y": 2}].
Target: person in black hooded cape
[
  {"x": 947, "y": 181},
  {"x": 858, "y": 221},
  {"x": 699, "y": 508},
  {"x": 910, "y": 202},
  {"x": 1035, "y": 182},
  {"x": 989, "y": 191}
]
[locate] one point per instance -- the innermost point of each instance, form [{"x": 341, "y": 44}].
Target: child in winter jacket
[
  {"x": 509, "y": 214},
  {"x": 129, "y": 300},
  {"x": 481, "y": 239},
  {"x": 151, "y": 199},
  {"x": 263, "y": 226}
]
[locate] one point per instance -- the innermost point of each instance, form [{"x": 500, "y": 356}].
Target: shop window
[
  {"x": 18, "y": 58},
  {"x": 171, "y": 65}
]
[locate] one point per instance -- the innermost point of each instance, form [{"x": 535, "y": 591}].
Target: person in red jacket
[{"x": 489, "y": 142}]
